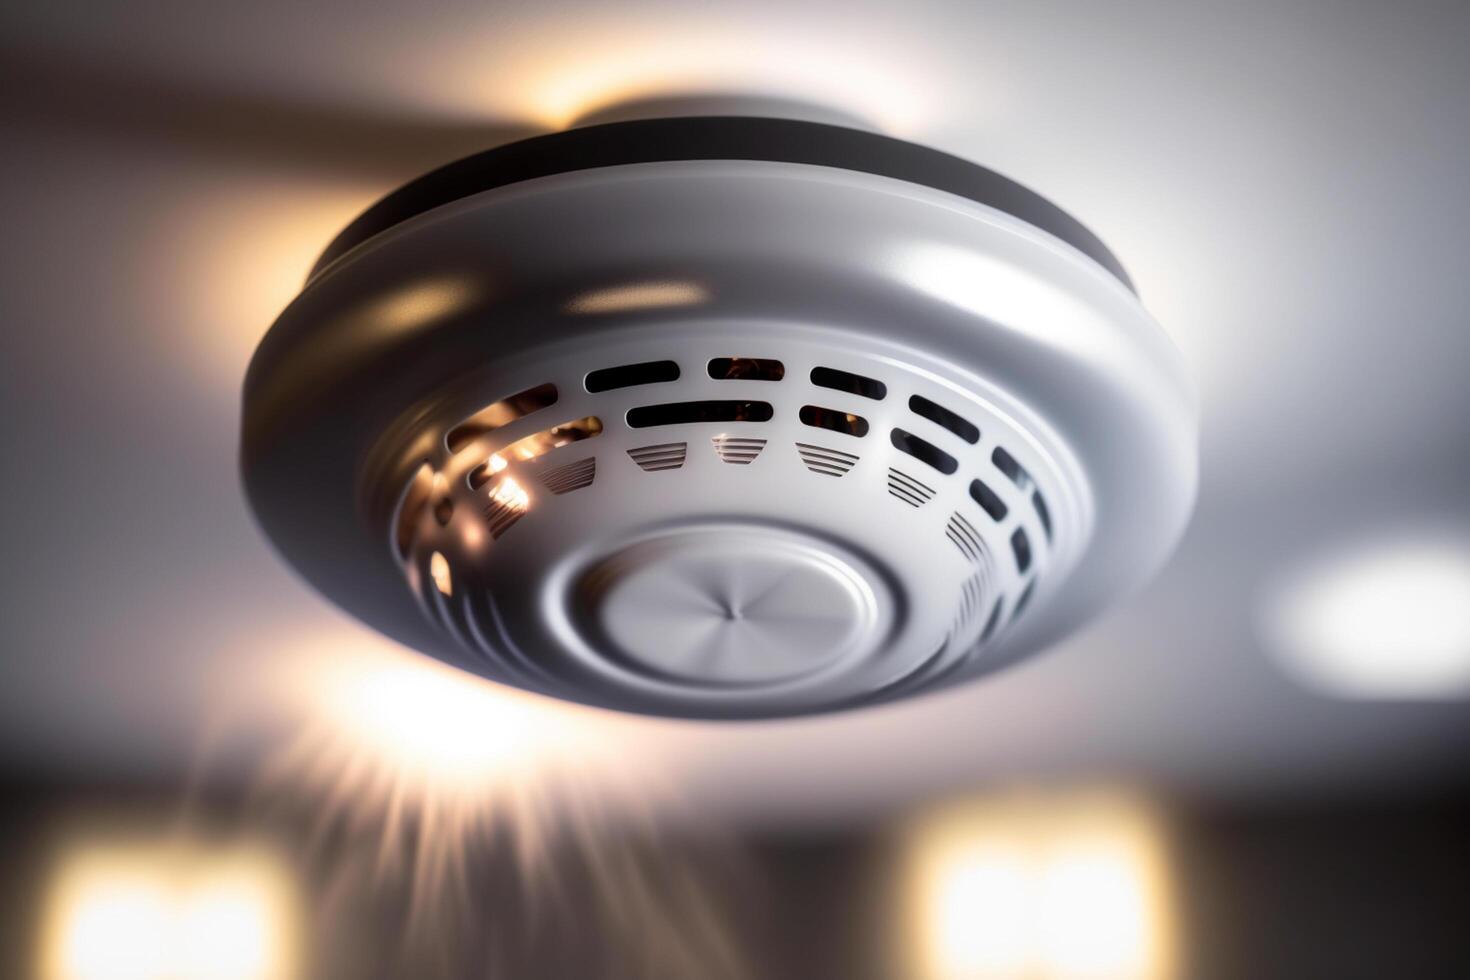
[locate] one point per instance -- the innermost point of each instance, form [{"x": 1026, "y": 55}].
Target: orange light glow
[
  {"x": 1031, "y": 888},
  {"x": 511, "y": 494},
  {"x": 396, "y": 740},
  {"x": 439, "y": 571},
  {"x": 166, "y": 911}
]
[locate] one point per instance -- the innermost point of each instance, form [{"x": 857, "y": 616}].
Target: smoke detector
[{"x": 719, "y": 417}]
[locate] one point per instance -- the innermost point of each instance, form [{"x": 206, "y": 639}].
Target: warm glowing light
[
  {"x": 1387, "y": 618},
  {"x": 497, "y": 463},
  {"x": 169, "y": 912},
  {"x": 1033, "y": 889},
  {"x": 509, "y": 493},
  {"x": 439, "y": 571},
  {"x": 855, "y": 70},
  {"x": 639, "y": 296}
]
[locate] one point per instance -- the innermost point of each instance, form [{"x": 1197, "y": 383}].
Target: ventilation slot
[
  {"x": 411, "y": 507},
  {"x": 831, "y": 462},
  {"x": 992, "y": 622},
  {"x": 988, "y": 501},
  {"x": 907, "y": 489},
  {"x": 572, "y": 476},
  {"x": 924, "y": 452},
  {"x": 965, "y": 538},
  {"x": 743, "y": 451},
  {"x": 828, "y": 418},
  {"x": 1021, "y": 545},
  {"x": 1021, "y": 602},
  {"x": 971, "y": 594},
  {"x": 663, "y": 456},
  {"x": 532, "y": 446},
  {"x": 440, "y": 574},
  {"x": 1007, "y": 464},
  {"x": 685, "y": 413},
  {"x": 853, "y": 384},
  {"x": 1043, "y": 513},
  {"x": 940, "y": 415},
  {"x": 508, "y": 502},
  {"x": 632, "y": 375},
  {"x": 746, "y": 369},
  {"x": 500, "y": 414}
]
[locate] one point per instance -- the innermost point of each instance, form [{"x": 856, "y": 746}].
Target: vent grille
[
  {"x": 972, "y": 593},
  {"x": 992, "y": 622},
  {"x": 501, "y": 514},
  {"x": 965, "y": 538},
  {"x": 819, "y": 459},
  {"x": 907, "y": 489},
  {"x": 1021, "y": 545},
  {"x": 572, "y": 476},
  {"x": 988, "y": 500},
  {"x": 733, "y": 450},
  {"x": 924, "y": 451},
  {"x": 660, "y": 456}
]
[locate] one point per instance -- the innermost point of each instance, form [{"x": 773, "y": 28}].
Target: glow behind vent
[{"x": 736, "y": 450}]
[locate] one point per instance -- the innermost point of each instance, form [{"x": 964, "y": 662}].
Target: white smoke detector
[{"x": 719, "y": 417}]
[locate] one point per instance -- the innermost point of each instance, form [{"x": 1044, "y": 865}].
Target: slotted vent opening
[
  {"x": 829, "y": 418},
  {"x": 746, "y": 369},
  {"x": 631, "y": 376},
  {"x": 942, "y": 416},
  {"x": 988, "y": 501},
  {"x": 992, "y": 621},
  {"x": 971, "y": 595},
  {"x": 500, "y": 414},
  {"x": 965, "y": 537},
  {"x": 736, "y": 450},
  {"x": 508, "y": 503},
  {"x": 829, "y": 462},
  {"x": 572, "y": 476},
  {"x": 535, "y": 445},
  {"x": 685, "y": 413},
  {"x": 440, "y": 574},
  {"x": 1007, "y": 464},
  {"x": 1021, "y": 547},
  {"x": 1043, "y": 513},
  {"x": 853, "y": 384},
  {"x": 1022, "y": 602},
  {"x": 411, "y": 508},
  {"x": 660, "y": 456},
  {"x": 924, "y": 451},
  {"x": 908, "y": 489}
]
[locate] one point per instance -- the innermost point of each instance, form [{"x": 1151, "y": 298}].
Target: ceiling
[{"x": 1284, "y": 182}]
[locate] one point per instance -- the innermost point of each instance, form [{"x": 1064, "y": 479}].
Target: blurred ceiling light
[
  {"x": 169, "y": 912},
  {"x": 639, "y": 296},
  {"x": 1039, "y": 889},
  {"x": 1387, "y": 618}
]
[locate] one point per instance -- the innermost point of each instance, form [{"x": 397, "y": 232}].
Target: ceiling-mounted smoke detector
[{"x": 719, "y": 417}]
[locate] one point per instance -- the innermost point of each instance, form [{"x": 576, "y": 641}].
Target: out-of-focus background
[{"x": 1259, "y": 767}]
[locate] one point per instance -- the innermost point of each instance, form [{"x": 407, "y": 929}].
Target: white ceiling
[{"x": 1285, "y": 183}]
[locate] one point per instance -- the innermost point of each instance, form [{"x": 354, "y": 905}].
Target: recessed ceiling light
[
  {"x": 720, "y": 417},
  {"x": 1387, "y": 618}
]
